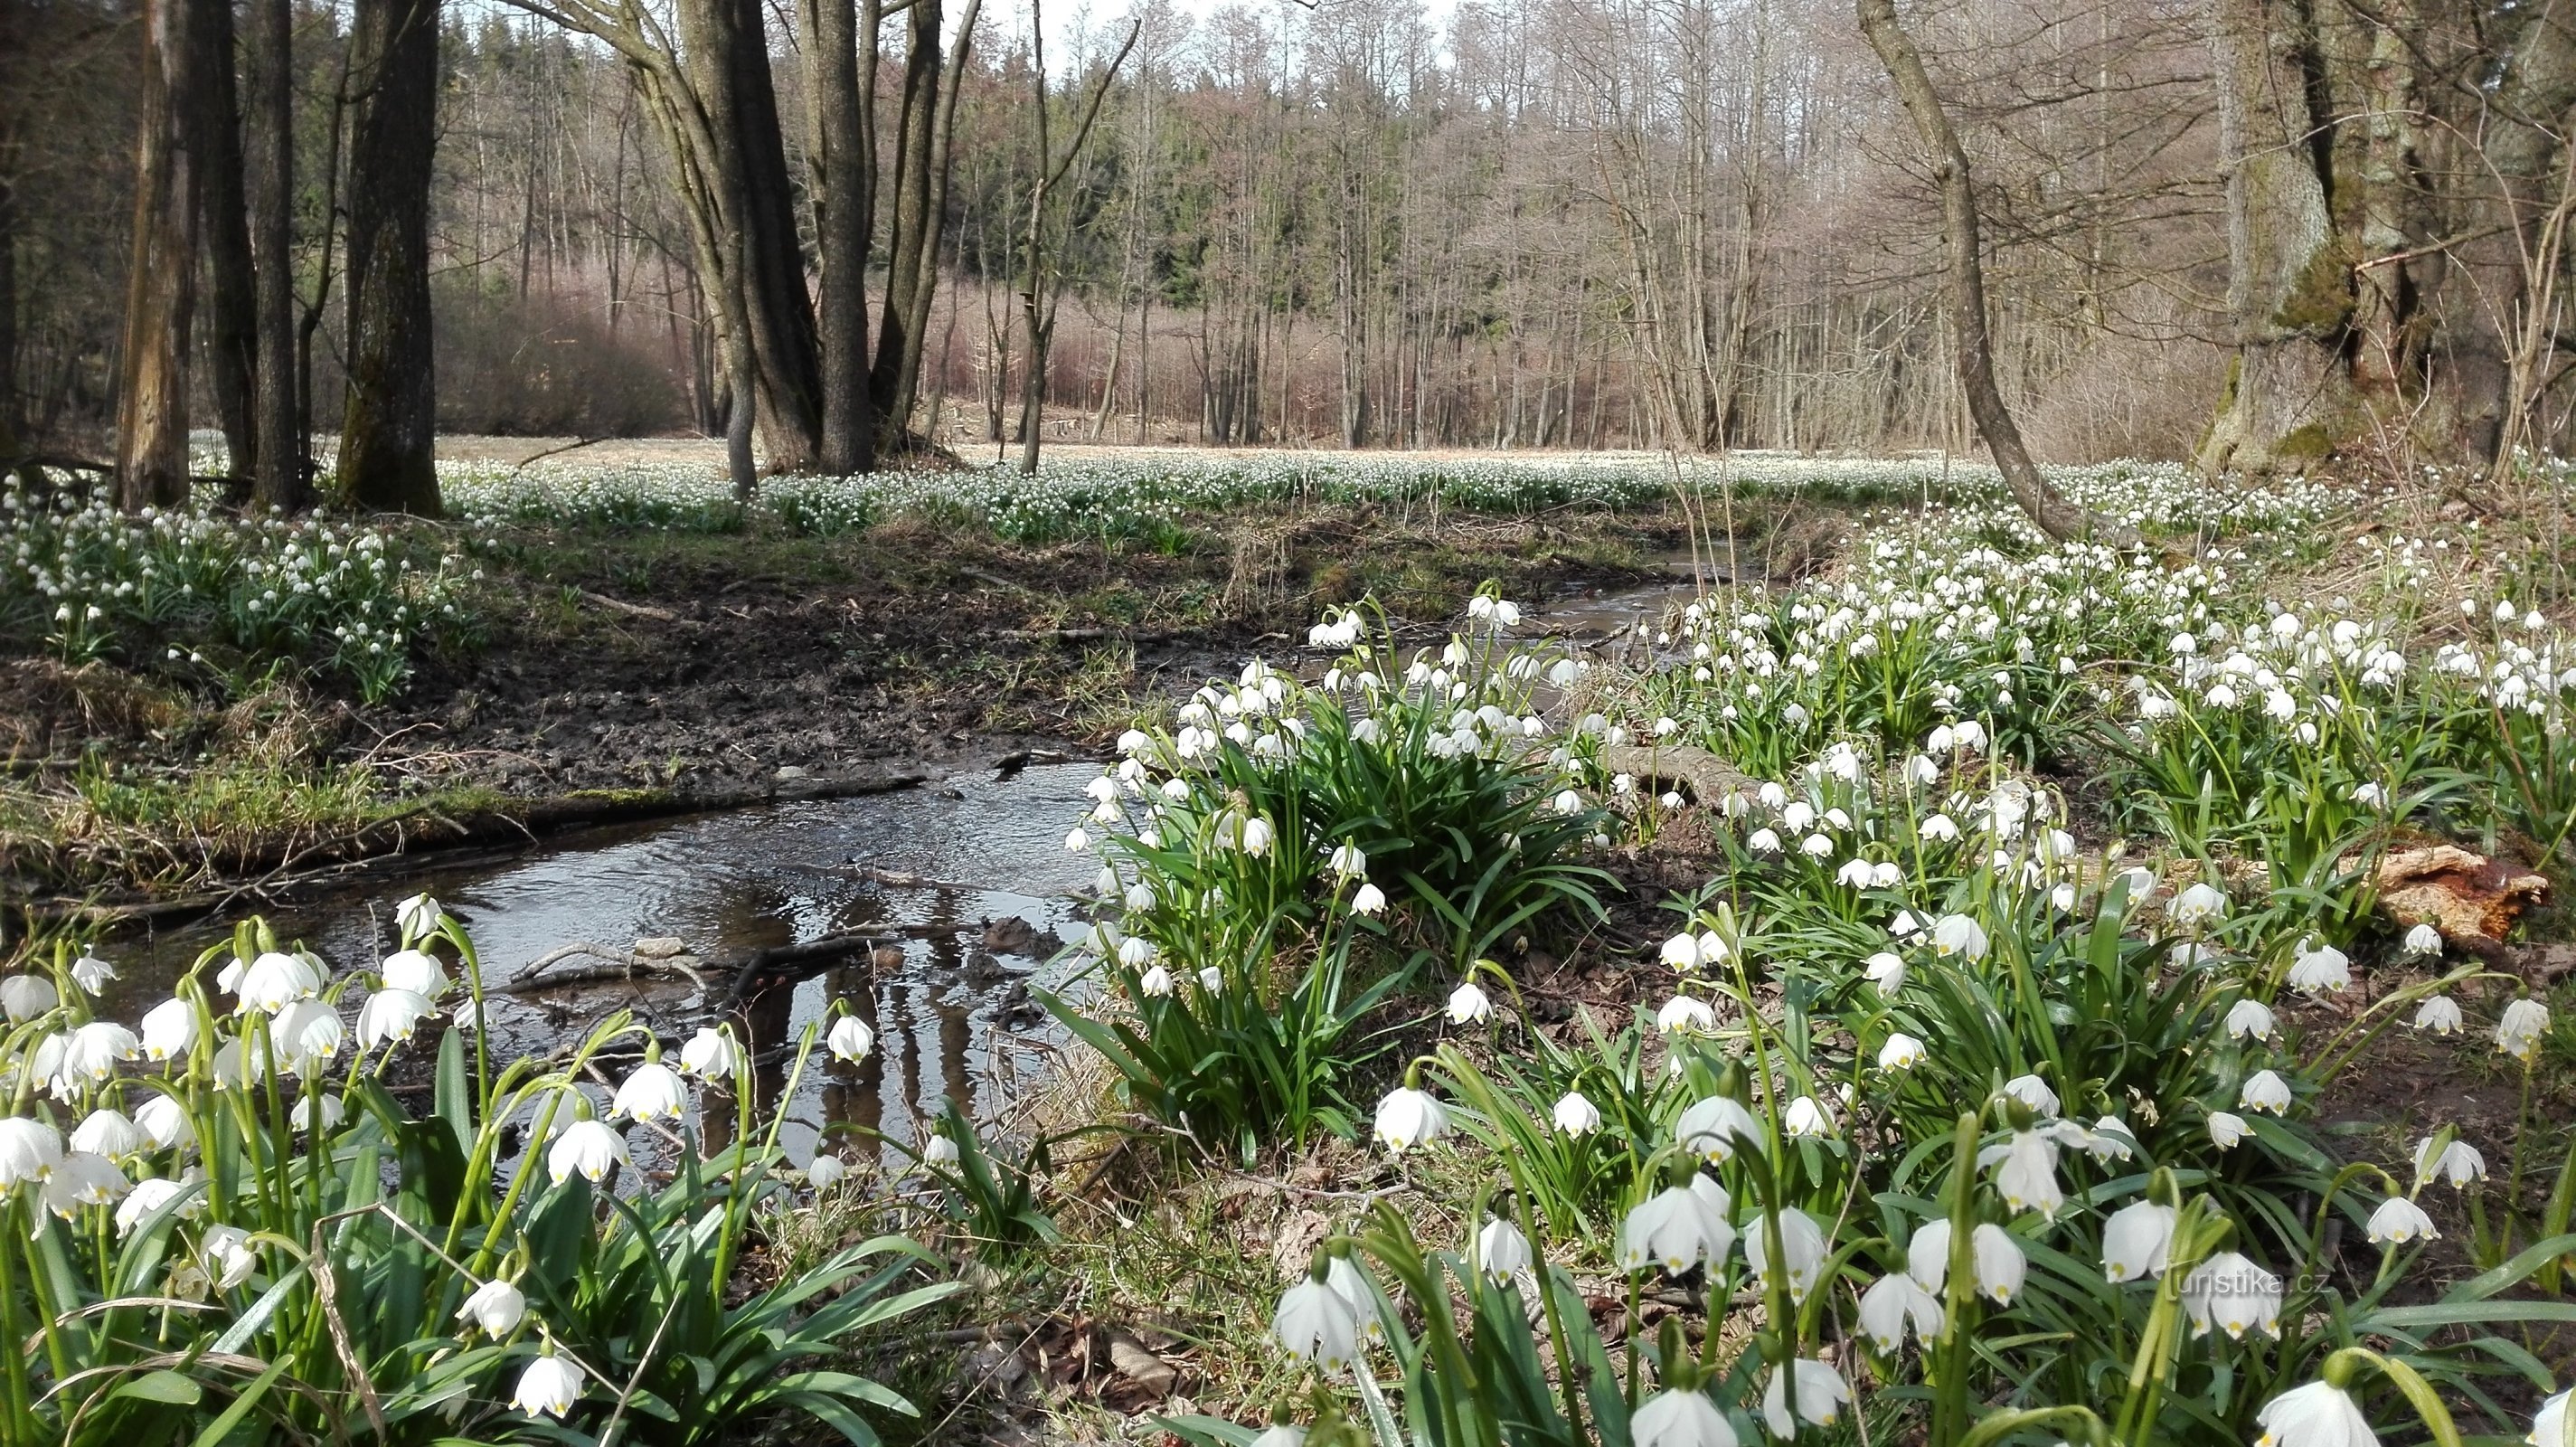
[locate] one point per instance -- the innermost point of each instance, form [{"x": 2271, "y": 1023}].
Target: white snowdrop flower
[
  {"x": 276, "y": 980},
  {"x": 1140, "y": 897},
  {"x": 1998, "y": 1261},
  {"x": 2264, "y": 1090},
  {"x": 1821, "y": 1393},
  {"x": 2110, "y": 1139},
  {"x": 1569, "y": 802},
  {"x": 1315, "y": 1323},
  {"x": 2137, "y": 1241},
  {"x": 1502, "y": 1249},
  {"x": 1762, "y": 841},
  {"x": 1575, "y": 1114},
  {"x": 1855, "y": 874},
  {"x": 1802, "y": 1250},
  {"x": 307, "y": 1035},
  {"x": 1256, "y": 836},
  {"x": 1348, "y": 861},
  {"x": 417, "y": 916},
  {"x": 1134, "y": 951},
  {"x": 1675, "y": 1419},
  {"x": 1901, "y": 1052},
  {"x": 107, "y": 1132},
  {"x": 1368, "y": 899},
  {"x": 1891, "y": 1303},
  {"x": 1885, "y": 970},
  {"x": 2318, "y": 1414},
  {"x": 391, "y": 1016},
  {"x": 2233, "y": 1294},
  {"x": 1682, "y": 1013},
  {"x": 2401, "y": 1220},
  {"x": 1076, "y": 840},
  {"x": 711, "y": 1055},
  {"x": 548, "y": 1387},
  {"x": 1956, "y": 934},
  {"x": 226, "y": 1255},
  {"x": 1816, "y": 846},
  {"x": 2518, "y": 1032},
  {"x": 2549, "y": 1427},
  {"x": 2319, "y": 968},
  {"x": 654, "y": 1091},
  {"x": 1798, "y": 816},
  {"x": 1773, "y": 796},
  {"x": 1408, "y": 1118},
  {"x": 824, "y": 1172},
  {"x": 2225, "y": 1129},
  {"x": 2200, "y": 904},
  {"x": 849, "y": 1039},
  {"x": 1681, "y": 952},
  {"x": 586, "y": 1146},
  {"x": 2441, "y": 1015},
  {"x": 93, "y": 1051},
  {"x": 939, "y": 1150},
  {"x": 494, "y": 1309},
  {"x": 1469, "y": 1005},
  {"x": 314, "y": 1103},
  {"x": 2458, "y": 1163},
  {"x": 84, "y": 1179},
  {"x": 1712, "y": 1129},
  {"x": 415, "y": 971},
  {"x": 2026, "y": 1174},
  {"x": 1212, "y": 980},
  {"x": 25, "y": 996},
  {"x": 1156, "y": 983},
  {"x": 2062, "y": 897},
  {"x": 1806, "y": 1118},
  {"x": 2183, "y": 645},
  {"x": 2138, "y": 884},
  {"x": 1886, "y": 875},
  {"x": 146, "y": 1200},
  {"x": 166, "y": 1121},
  {"x": 1670, "y": 799},
  {"x": 2423, "y": 940},
  {"x": 2032, "y": 1091},
  {"x": 92, "y": 974},
  {"x": 2370, "y": 796},
  {"x": 2251, "y": 1019}
]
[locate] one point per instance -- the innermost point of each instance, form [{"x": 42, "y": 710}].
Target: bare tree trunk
[
  {"x": 842, "y": 40},
  {"x": 161, "y": 280},
  {"x": 2054, "y": 514},
  {"x": 389, "y": 438},
  {"x": 1037, "y": 304},
  {"x": 280, "y": 480},
  {"x": 232, "y": 333},
  {"x": 925, "y": 148}
]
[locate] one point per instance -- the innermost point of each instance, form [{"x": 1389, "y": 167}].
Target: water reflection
[{"x": 944, "y": 1007}]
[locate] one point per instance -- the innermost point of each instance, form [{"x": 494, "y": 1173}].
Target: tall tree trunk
[
  {"x": 925, "y": 132},
  {"x": 2054, "y": 514},
  {"x": 232, "y": 314},
  {"x": 161, "y": 290},
  {"x": 280, "y": 480},
  {"x": 388, "y": 440},
  {"x": 842, "y": 36},
  {"x": 2289, "y": 401}
]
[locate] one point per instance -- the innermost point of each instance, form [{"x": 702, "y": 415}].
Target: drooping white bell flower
[
  {"x": 108, "y": 1132},
  {"x": 1682, "y": 1013},
  {"x": 1891, "y": 1302},
  {"x": 2233, "y": 1294},
  {"x": 2549, "y": 1425},
  {"x": 2264, "y": 1090},
  {"x": 1407, "y": 1118},
  {"x": 1681, "y": 952},
  {"x": 1998, "y": 1261},
  {"x": 306, "y": 1035},
  {"x": 1886, "y": 970},
  {"x": 391, "y": 1016},
  {"x": 1368, "y": 899},
  {"x": 1680, "y": 1419},
  {"x": 1806, "y": 1119},
  {"x": 2518, "y": 1032},
  {"x": 548, "y": 1387},
  {"x": 2111, "y": 1140},
  {"x": 2319, "y": 968},
  {"x": 2200, "y": 904},
  {"x": 25, "y": 996},
  {"x": 939, "y": 1150},
  {"x": 2137, "y": 1241},
  {"x": 824, "y": 1172},
  {"x": 1314, "y": 1322},
  {"x": 493, "y": 1309},
  {"x": 2319, "y": 1414},
  {"x": 1821, "y": 1393},
  {"x": 413, "y": 970},
  {"x": 226, "y": 1254},
  {"x": 1348, "y": 861},
  {"x": 1502, "y": 1248},
  {"x": 2441, "y": 1015},
  {"x": 587, "y": 1146},
  {"x": 2032, "y": 1091},
  {"x": 2026, "y": 1173},
  {"x": 276, "y": 980},
  {"x": 94, "y": 1049},
  {"x": 2423, "y": 940},
  {"x": 92, "y": 974},
  {"x": 1469, "y": 1005},
  {"x": 1344, "y": 1277},
  {"x": 2251, "y": 1020},
  {"x": 166, "y": 1121},
  {"x": 711, "y": 1055},
  {"x": 2399, "y": 1219},
  {"x": 849, "y": 1039},
  {"x": 2458, "y": 1163},
  {"x": 1156, "y": 983},
  {"x": 1802, "y": 1249},
  {"x": 312, "y": 1103},
  {"x": 2227, "y": 1129},
  {"x": 1575, "y": 1114},
  {"x": 1675, "y": 1229},
  {"x": 146, "y": 1200},
  {"x": 30, "y": 1150},
  {"x": 169, "y": 1030},
  {"x": 1957, "y": 934},
  {"x": 417, "y": 916},
  {"x": 1901, "y": 1052},
  {"x": 654, "y": 1091},
  {"x": 1711, "y": 1129},
  {"x": 1927, "y": 1254},
  {"x": 84, "y": 1179}
]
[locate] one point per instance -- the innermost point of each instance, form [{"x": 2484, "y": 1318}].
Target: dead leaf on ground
[{"x": 1293, "y": 1249}]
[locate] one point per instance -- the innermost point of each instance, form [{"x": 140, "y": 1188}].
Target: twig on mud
[
  {"x": 627, "y": 965},
  {"x": 631, "y": 610}
]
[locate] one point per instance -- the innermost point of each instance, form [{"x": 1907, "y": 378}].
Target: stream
[{"x": 953, "y": 1017}]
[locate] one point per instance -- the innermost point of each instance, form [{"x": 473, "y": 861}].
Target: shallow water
[{"x": 953, "y": 1020}]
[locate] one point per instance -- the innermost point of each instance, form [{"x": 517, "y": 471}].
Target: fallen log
[{"x": 1708, "y": 778}]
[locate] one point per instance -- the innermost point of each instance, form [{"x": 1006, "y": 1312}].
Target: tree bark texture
[
  {"x": 1967, "y": 282},
  {"x": 279, "y": 479},
  {"x": 160, "y": 296},
  {"x": 842, "y": 38},
  {"x": 925, "y": 136},
  {"x": 388, "y": 439},
  {"x": 232, "y": 312}
]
